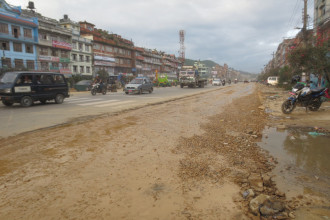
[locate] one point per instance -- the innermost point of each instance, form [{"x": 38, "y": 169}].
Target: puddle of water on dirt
[{"x": 303, "y": 160}]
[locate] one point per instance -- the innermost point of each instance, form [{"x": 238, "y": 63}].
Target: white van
[{"x": 272, "y": 80}]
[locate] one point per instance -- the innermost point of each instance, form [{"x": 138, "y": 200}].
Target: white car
[
  {"x": 216, "y": 82},
  {"x": 272, "y": 80}
]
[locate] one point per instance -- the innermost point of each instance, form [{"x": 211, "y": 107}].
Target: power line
[{"x": 294, "y": 13}]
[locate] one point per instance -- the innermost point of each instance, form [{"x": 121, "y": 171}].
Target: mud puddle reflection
[{"x": 303, "y": 163}]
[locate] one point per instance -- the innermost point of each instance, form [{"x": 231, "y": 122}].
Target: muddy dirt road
[{"x": 192, "y": 158}]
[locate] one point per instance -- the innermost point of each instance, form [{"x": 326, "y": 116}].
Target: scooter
[
  {"x": 303, "y": 96},
  {"x": 98, "y": 88}
]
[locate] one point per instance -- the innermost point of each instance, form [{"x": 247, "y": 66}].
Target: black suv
[{"x": 28, "y": 87}]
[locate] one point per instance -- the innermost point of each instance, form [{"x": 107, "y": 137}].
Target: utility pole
[
  {"x": 305, "y": 36},
  {"x": 304, "y": 29}
]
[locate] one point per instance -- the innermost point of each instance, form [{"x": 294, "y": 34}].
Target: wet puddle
[{"x": 303, "y": 161}]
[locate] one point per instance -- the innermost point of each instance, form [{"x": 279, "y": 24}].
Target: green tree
[
  {"x": 312, "y": 58},
  {"x": 102, "y": 75}
]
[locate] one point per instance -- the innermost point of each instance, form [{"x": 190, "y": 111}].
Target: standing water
[{"x": 303, "y": 164}]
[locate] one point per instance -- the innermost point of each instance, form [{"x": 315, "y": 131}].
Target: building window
[
  {"x": 17, "y": 47},
  {"x": 74, "y": 45},
  {"x": 4, "y": 28},
  {"x": 55, "y": 66},
  {"x": 81, "y": 58},
  {"x": 64, "y": 54},
  {"x": 54, "y": 53},
  {"x": 97, "y": 47},
  {"x": 30, "y": 64},
  {"x": 80, "y": 46},
  {"x": 88, "y": 69},
  {"x": 44, "y": 66},
  {"x": 75, "y": 69},
  {"x": 4, "y": 45},
  {"x": 322, "y": 10},
  {"x": 87, "y": 59},
  {"x": 108, "y": 49},
  {"x": 7, "y": 62},
  {"x": 87, "y": 48},
  {"x": 43, "y": 51},
  {"x": 53, "y": 38},
  {"x": 42, "y": 36},
  {"x": 28, "y": 48},
  {"x": 65, "y": 66},
  {"x": 81, "y": 69},
  {"x": 27, "y": 32},
  {"x": 18, "y": 63},
  {"x": 74, "y": 57},
  {"x": 15, "y": 31}
]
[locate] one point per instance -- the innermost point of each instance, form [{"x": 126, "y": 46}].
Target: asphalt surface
[{"x": 82, "y": 105}]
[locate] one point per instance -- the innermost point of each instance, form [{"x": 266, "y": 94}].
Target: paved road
[{"x": 16, "y": 119}]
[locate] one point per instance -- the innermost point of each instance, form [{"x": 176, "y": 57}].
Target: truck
[{"x": 192, "y": 78}]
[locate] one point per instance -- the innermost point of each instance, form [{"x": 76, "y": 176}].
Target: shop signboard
[{"x": 62, "y": 45}]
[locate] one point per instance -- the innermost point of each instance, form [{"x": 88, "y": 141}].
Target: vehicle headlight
[{"x": 8, "y": 90}]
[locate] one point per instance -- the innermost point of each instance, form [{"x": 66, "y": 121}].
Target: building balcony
[
  {"x": 122, "y": 55},
  {"x": 19, "y": 38},
  {"x": 123, "y": 65},
  {"x": 139, "y": 58},
  {"x": 43, "y": 42}
]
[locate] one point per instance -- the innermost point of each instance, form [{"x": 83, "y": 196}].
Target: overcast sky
[{"x": 241, "y": 33}]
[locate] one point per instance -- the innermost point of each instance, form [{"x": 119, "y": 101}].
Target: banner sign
[
  {"x": 62, "y": 45},
  {"x": 103, "y": 63},
  {"x": 111, "y": 59},
  {"x": 65, "y": 71},
  {"x": 49, "y": 58}
]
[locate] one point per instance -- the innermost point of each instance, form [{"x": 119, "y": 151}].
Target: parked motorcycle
[
  {"x": 223, "y": 82},
  {"x": 98, "y": 88},
  {"x": 303, "y": 96}
]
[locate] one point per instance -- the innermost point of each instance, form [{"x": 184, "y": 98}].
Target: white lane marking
[
  {"x": 96, "y": 103},
  {"x": 112, "y": 104},
  {"x": 82, "y": 100}
]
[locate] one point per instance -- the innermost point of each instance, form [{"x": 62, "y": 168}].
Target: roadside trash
[
  {"x": 292, "y": 138},
  {"x": 315, "y": 134}
]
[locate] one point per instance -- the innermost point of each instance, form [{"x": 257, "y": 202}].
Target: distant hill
[{"x": 208, "y": 63}]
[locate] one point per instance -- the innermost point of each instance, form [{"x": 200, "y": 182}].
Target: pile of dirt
[{"x": 228, "y": 151}]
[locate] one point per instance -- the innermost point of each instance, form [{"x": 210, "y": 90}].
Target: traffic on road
[{"x": 83, "y": 104}]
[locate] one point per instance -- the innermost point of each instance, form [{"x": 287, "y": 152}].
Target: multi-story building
[
  {"x": 111, "y": 52},
  {"x": 322, "y": 18},
  {"x": 138, "y": 59},
  {"x": 54, "y": 46},
  {"x": 124, "y": 53},
  {"x": 103, "y": 57},
  {"x": 152, "y": 62},
  {"x": 81, "y": 53},
  {"x": 18, "y": 38},
  {"x": 170, "y": 63},
  {"x": 282, "y": 53}
]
